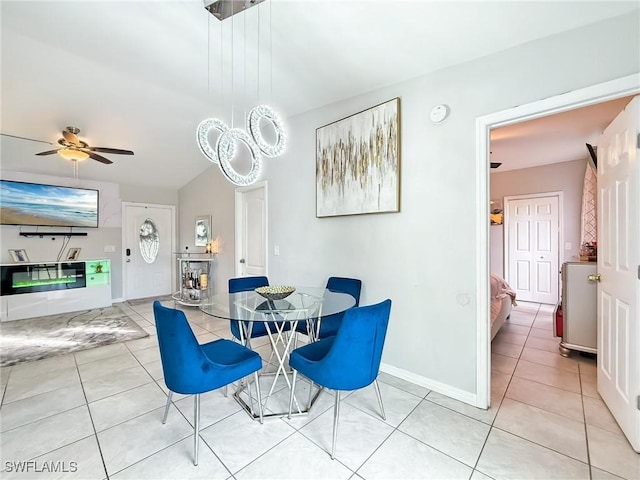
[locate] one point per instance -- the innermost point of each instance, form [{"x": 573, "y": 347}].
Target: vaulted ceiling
[{"x": 141, "y": 75}]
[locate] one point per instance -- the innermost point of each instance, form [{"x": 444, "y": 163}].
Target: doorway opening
[
  {"x": 582, "y": 98},
  {"x": 622, "y": 87}
]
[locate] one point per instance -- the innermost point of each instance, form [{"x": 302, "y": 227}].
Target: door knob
[
  {"x": 242, "y": 260},
  {"x": 595, "y": 277}
]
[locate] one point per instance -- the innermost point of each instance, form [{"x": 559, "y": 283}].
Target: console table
[{"x": 37, "y": 289}]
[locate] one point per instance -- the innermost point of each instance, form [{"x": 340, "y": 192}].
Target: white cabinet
[
  {"x": 194, "y": 274},
  {"x": 37, "y": 289},
  {"x": 579, "y": 308}
]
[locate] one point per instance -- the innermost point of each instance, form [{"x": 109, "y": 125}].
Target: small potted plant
[{"x": 98, "y": 267}]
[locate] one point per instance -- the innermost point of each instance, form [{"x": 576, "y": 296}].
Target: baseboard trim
[
  {"x": 442, "y": 388},
  {"x": 117, "y": 300}
]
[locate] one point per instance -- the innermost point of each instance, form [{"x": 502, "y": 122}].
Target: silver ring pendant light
[
  {"x": 230, "y": 138},
  {"x": 225, "y": 148},
  {"x": 202, "y": 136},
  {"x": 253, "y": 125}
]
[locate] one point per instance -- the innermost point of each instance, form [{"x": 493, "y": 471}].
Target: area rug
[{"x": 42, "y": 337}]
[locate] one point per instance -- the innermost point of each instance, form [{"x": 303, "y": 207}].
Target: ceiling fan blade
[
  {"x": 48, "y": 152},
  {"x": 26, "y": 138},
  {"x": 71, "y": 137},
  {"x": 110, "y": 150},
  {"x": 99, "y": 158}
]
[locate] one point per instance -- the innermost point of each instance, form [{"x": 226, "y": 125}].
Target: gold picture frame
[{"x": 358, "y": 163}]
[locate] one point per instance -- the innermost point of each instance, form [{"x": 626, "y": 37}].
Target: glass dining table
[{"x": 281, "y": 318}]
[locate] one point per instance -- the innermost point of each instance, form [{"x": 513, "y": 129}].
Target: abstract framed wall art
[
  {"x": 358, "y": 163},
  {"x": 203, "y": 230}
]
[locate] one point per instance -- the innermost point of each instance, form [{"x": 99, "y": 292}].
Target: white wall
[
  {"x": 210, "y": 194},
  {"x": 423, "y": 258},
  {"x": 109, "y": 233},
  {"x": 496, "y": 249},
  {"x": 566, "y": 177}
]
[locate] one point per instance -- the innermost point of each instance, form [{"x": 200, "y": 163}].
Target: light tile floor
[{"x": 96, "y": 414}]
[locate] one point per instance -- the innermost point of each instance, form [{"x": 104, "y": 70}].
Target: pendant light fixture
[{"x": 251, "y": 137}]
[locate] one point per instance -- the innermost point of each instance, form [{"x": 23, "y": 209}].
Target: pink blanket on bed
[{"x": 500, "y": 289}]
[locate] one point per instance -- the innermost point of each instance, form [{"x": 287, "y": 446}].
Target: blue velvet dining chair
[
  {"x": 329, "y": 324},
  {"x": 192, "y": 369},
  {"x": 348, "y": 361},
  {"x": 258, "y": 329}
]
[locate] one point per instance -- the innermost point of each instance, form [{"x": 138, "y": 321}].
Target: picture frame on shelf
[
  {"x": 358, "y": 163},
  {"x": 19, "y": 255},
  {"x": 496, "y": 212},
  {"x": 203, "y": 230},
  {"x": 73, "y": 254}
]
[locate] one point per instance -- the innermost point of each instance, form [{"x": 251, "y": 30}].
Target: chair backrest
[
  {"x": 243, "y": 284},
  {"x": 181, "y": 355},
  {"x": 354, "y": 358},
  {"x": 352, "y": 286}
]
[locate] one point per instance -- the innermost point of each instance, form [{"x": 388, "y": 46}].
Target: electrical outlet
[
  {"x": 276, "y": 250},
  {"x": 567, "y": 246}
]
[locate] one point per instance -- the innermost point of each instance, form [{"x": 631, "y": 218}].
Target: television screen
[{"x": 36, "y": 204}]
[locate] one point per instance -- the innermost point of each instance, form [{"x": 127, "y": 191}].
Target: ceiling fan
[
  {"x": 494, "y": 164},
  {"x": 72, "y": 148},
  {"x": 76, "y": 149}
]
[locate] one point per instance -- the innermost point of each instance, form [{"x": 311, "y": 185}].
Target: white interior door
[
  {"x": 532, "y": 247},
  {"x": 251, "y": 230},
  {"x": 148, "y": 267},
  {"x": 619, "y": 269}
]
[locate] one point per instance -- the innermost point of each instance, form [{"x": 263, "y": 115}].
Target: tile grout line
[
  {"x": 529, "y": 440},
  {"x": 586, "y": 430},
  {"x": 93, "y": 426},
  {"x": 491, "y": 425}
]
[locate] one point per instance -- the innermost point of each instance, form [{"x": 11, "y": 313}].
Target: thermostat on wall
[{"x": 439, "y": 113}]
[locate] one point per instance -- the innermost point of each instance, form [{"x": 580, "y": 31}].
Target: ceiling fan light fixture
[{"x": 73, "y": 154}]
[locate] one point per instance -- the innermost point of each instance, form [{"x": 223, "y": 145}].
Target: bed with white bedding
[{"x": 502, "y": 299}]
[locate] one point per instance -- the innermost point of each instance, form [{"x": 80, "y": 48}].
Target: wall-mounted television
[{"x": 37, "y": 204}]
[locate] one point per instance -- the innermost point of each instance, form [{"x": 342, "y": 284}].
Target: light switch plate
[
  {"x": 567, "y": 246},
  {"x": 109, "y": 248}
]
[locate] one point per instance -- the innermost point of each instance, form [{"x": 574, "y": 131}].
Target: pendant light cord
[
  {"x": 244, "y": 54},
  {"x": 233, "y": 90},
  {"x": 258, "y": 62},
  {"x": 270, "y": 57}
]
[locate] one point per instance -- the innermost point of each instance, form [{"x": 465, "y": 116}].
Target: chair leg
[
  {"x": 310, "y": 392},
  {"x": 375, "y": 383},
  {"x": 196, "y": 427},
  {"x": 166, "y": 408},
  {"x": 250, "y": 396},
  {"x": 255, "y": 376},
  {"x": 293, "y": 390},
  {"x": 336, "y": 414}
]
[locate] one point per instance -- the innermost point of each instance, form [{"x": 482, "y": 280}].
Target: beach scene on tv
[{"x": 47, "y": 205}]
